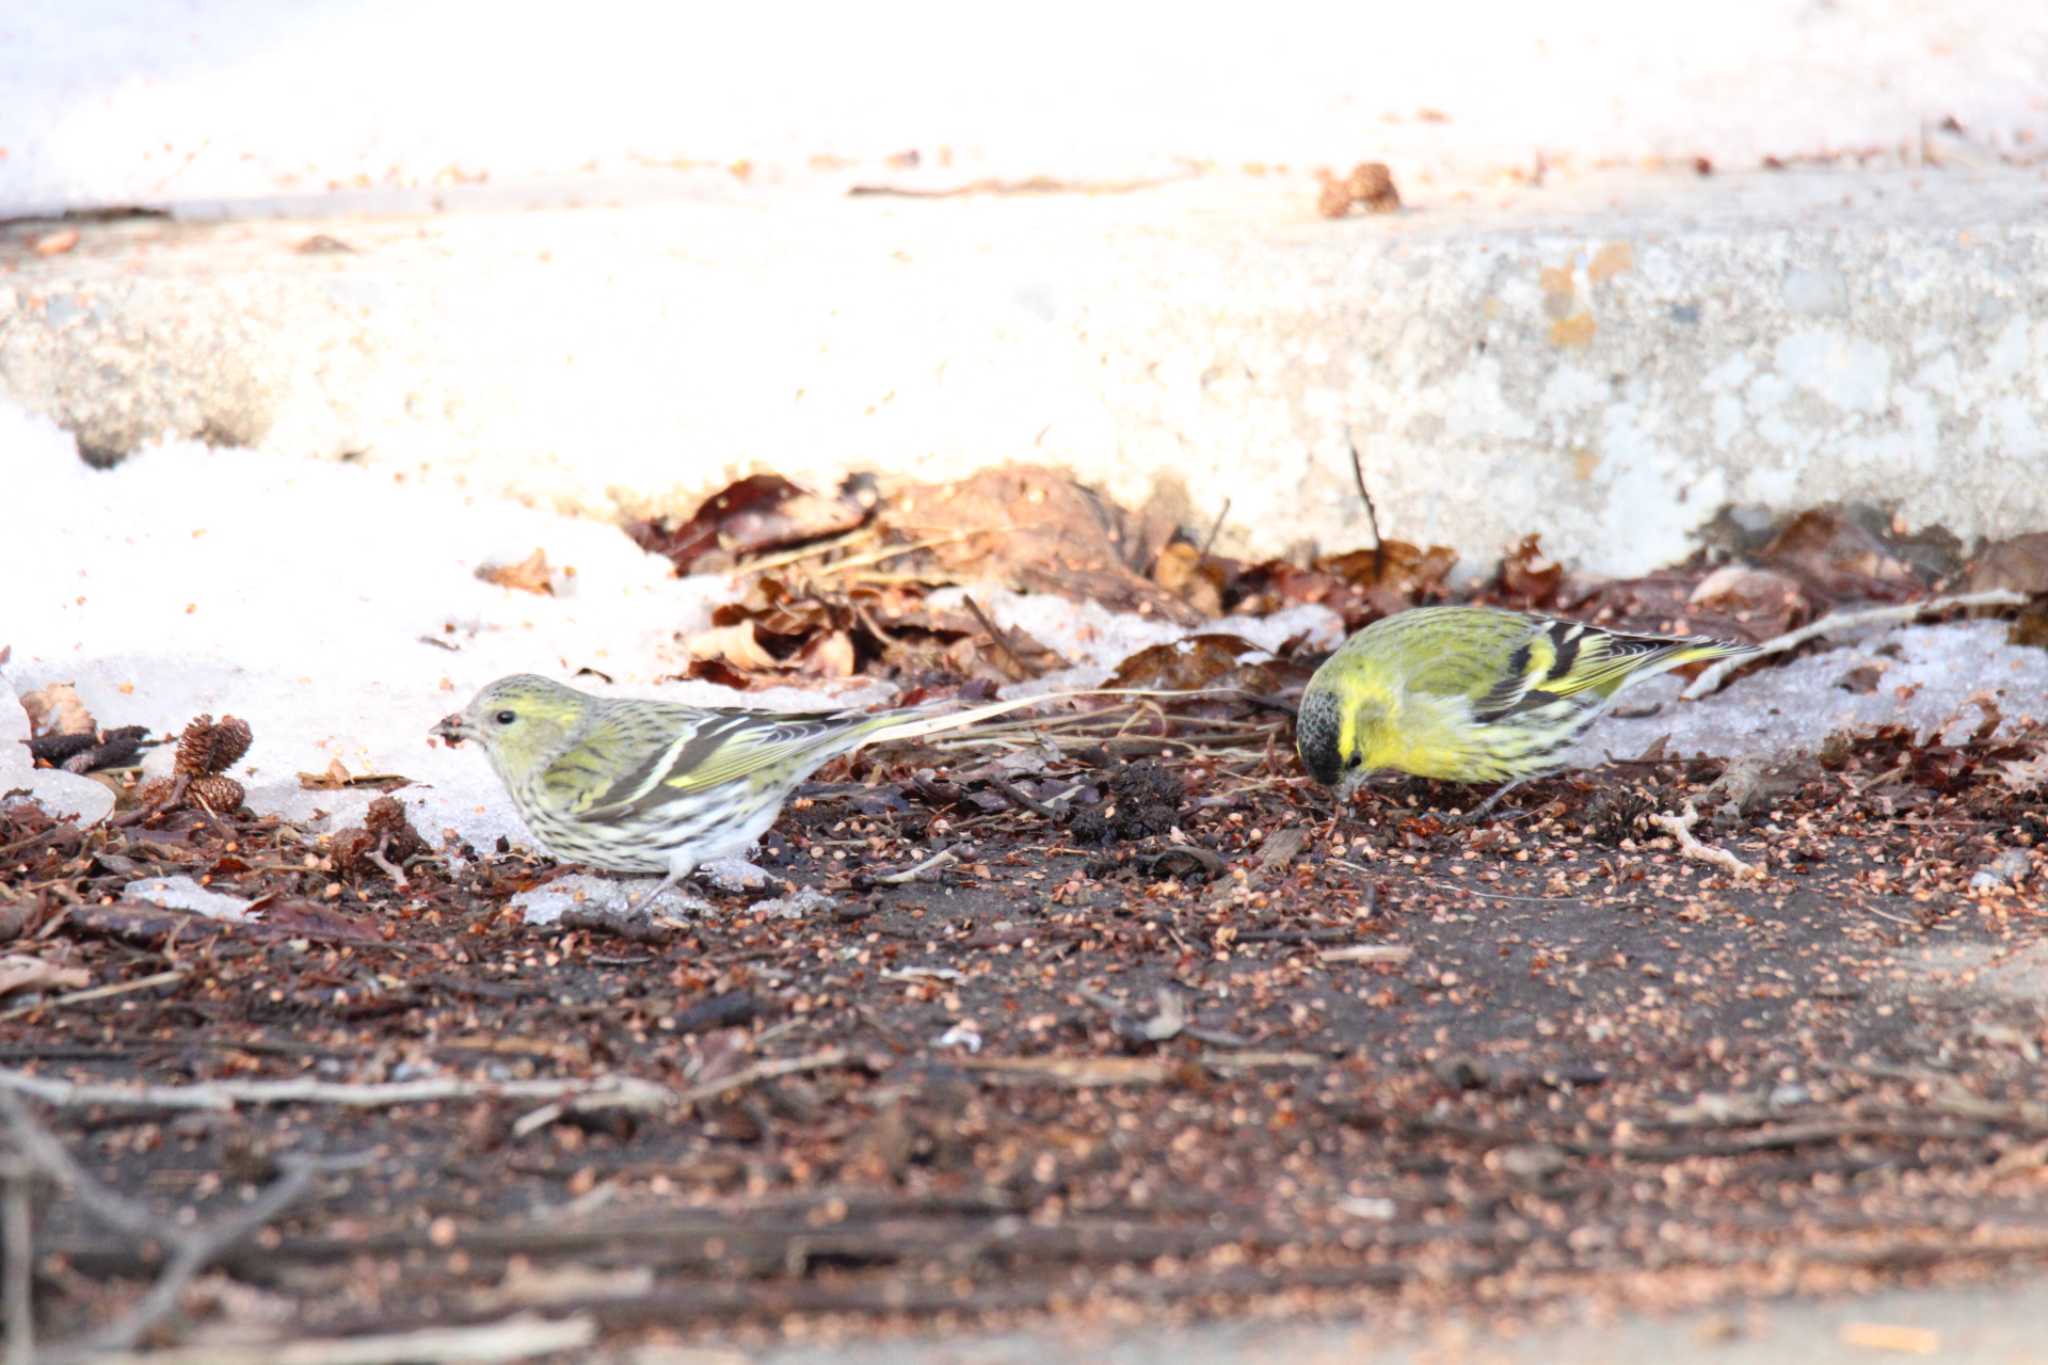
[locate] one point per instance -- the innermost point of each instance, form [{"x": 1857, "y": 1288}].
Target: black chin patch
[{"x": 1315, "y": 735}]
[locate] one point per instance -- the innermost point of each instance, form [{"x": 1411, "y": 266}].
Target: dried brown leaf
[
  {"x": 736, "y": 645},
  {"x": 827, "y": 656},
  {"x": 1839, "y": 558},
  {"x": 1185, "y": 572},
  {"x": 57, "y": 710},
  {"x": 302, "y": 918},
  {"x": 55, "y": 243},
  {"x": 531, "y": 574},
  {"x": 758, "y": 513},
  {"x": 1528, "y": 577},
  {"x": 2018, "y": 565},
  {"x": 2023, "y": 776},
  {"x": 1369, "y": 186},
  {"x": 1037, "y": 529},
  {"x": 1213, "y": 659}
]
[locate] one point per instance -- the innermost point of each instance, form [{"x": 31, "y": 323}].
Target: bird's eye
[{"x": 505, "y": 717}]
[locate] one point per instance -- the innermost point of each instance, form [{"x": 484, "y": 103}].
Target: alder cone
[
  {"x": 207, "y": 747},
  {"x": 218, "y": 794}
]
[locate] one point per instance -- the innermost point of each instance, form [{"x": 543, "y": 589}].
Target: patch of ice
[
  {"x": 587, "y": 891},
  {"x": 2009, "y": 868},
  {"x": 733, "y": 874},
  {"x": 802, "y": 902},
  {"x": 1926, "y": 687},
  {"x": 182, "y": 893},
  {"x": 62, "y": 794},
  {"x": 963, "y": 1034}
]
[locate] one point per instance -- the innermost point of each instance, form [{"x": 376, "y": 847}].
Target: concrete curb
[{"x": 1610, "y": 362}]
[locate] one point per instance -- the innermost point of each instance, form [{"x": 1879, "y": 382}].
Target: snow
[
  {"x": 62, "y": 793},
  {"x": 337, "y": 610},
  {"x": 1927, "y": 687},
  {"x": 180, "y": 100}
]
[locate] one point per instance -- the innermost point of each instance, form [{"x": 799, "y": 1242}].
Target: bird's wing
[
  {"x": 1486, "y": 658},
  {"x": 1570, "y": 660},
  {"x": 675, "y": 750},
  {"x": 665, "y": 750}
]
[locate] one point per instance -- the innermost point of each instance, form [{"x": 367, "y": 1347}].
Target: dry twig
[
  {"x": 998, "y": 639},
  {"x": 192, "y": 1250},
  {"x": 945, "y": 857},
  {"x": 99, "y": 992},
  {"x": 17, "y": 1245},
  {"x": 1085, "y": 1073},
  {"x": 1372, "y": 516},
  {"x": 597, "y": 1092},
  {"x": 522, "y": 1336},
  {"x": 823, "y": 1060},
  {"x": 1393, "y": 953},
  {"x": 1680, "y": 826}
]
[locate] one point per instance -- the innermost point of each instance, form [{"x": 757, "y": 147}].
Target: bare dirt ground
[{"x": 1214, "y": 1049}]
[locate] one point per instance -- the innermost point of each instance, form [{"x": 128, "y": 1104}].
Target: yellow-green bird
[
  {"x": 633, "y": 785},
  {"x": 1472, "y": 694}
]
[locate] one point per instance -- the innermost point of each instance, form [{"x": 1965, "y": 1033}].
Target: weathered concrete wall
[{"x": 1608, "y": 363}]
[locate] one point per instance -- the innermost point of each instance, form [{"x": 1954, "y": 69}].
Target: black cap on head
[{"x": 1316, "y": 728}]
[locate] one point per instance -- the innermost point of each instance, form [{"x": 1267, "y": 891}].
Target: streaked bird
[
  {"x": 1473, "y": 694},
  {"x": 631, "y": 785}
]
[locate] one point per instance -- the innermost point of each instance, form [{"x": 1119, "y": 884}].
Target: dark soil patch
[{"x": 1240, "y": 1051}]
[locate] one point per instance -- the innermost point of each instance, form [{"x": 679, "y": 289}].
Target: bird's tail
[
  {"x": 918, "y": 721},
  {"x": 932, "y": 719},
  {"x": 1620, "y": 660}
]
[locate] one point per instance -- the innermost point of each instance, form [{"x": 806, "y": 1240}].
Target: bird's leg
[
  {"x": 1478, "y": 813},
  {"x": 676, "y": 872}
]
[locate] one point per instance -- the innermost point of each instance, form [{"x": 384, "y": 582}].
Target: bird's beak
[{"x": 452, "y": 729}]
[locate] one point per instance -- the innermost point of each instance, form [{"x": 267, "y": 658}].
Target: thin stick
[
  {"x": 803, "y": 552},
  {"x": 1711, "y": 679},
  {"x": 1448, "y": 885},
  {"x": 100, "y": 992},
  {"x": 1395, "y": 953},
  {"x": 523, "y": 1336},
  {"x": 996, "y": 637},
  {"x": 943, "y": 858},
  {"x": 839, "y": 566},
  {"x": 1372, "y": 516},
  {"x": 198, "y": 1249},
  {"x": 1215, "y": 529},
  {"x": 50, "y": 1156},
  {"x": 17, "y": 1243},
  {"x": 377, "y": 859},
  {"x": 1017, "y": 797},
  {"x": 823, "y": 1060},
  {"x": 1680, "y": 826},
  {"x": 615, "y": 1092},
  {"x": 192, "y": 1249}
]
